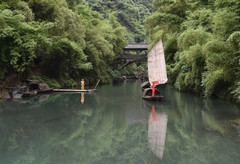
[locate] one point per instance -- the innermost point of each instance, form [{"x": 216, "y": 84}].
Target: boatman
[
  {"x": 153, "y": 89},
  {"x": 153, "y": 83},
  {"x": 82, "y": 84}
]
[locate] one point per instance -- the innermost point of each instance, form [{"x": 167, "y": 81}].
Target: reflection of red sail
[{"x": 157, "y": 129}]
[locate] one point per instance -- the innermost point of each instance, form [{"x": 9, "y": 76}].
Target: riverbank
[{"x": 13, "y": 81}]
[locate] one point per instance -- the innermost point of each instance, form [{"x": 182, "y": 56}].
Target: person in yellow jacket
[{"x": 82, "y": 84}]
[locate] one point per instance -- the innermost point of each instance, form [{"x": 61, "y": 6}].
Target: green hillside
[
  {"x": 202, "y": 44},
  {"x": 130, "y": 13}
]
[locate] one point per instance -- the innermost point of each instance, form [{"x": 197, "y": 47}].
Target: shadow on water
[{"x": 116, "y": 126}]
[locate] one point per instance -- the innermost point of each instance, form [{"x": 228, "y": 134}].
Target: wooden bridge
[
  {"x": 131, "y": 58},
  {"x": 136, "y": 47}
]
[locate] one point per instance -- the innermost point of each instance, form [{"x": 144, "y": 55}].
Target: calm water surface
[{"x": 115, "y": 125}]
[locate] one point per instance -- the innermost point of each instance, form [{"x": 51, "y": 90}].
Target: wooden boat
[
  {"x": 157, "y": 73},
  {"x": 44, "y": 88},
  {"x": 21, "y": 92},
  {"x": 145, "y": 85},
  {"x": 147, "y": 95},
  {"x": 38, "y": 86},
  {"x": 32, "y": 89},
  {"x": 29, "y": 93}
]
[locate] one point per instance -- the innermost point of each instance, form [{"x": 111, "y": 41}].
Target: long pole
[{"x": 97, "y": 84}]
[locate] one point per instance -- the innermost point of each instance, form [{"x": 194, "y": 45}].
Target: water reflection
[
  {"x": 116, "y": 126},
  {"x": 82, "y": 98},
  {"x": 43, "y": 97},
  {"x": 157, "y": 129},
  {"x": 23, "y": 104}
]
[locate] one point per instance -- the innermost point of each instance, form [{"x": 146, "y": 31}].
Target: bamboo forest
[{"x": 119, "y": 81}]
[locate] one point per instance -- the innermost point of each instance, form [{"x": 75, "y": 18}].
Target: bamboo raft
[
  {"x": 77, "y": 90},
  {"x": 73, "y": 90}
]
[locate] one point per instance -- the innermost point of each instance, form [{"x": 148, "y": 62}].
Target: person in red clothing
[
  {"x": 153, "y": 90},
  {"x": 153, "y": 87}
]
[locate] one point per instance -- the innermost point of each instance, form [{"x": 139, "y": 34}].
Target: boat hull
[
  {"x": 147, "y": 95},
  {"x": 153, "y": 98},
  {"x": 45, "y": 91},
  {"x": 29, "y": 94}
]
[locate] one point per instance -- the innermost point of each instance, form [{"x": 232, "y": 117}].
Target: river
[{"x": 116, "y": 126}]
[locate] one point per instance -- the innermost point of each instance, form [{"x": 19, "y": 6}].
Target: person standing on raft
[{"x": 82, "y": 84}]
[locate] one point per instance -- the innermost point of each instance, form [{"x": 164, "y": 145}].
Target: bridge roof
[{"x": 136, "y": 46}]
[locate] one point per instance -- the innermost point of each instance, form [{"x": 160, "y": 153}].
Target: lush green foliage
[
  {"x": 201, "y": 40},
  {"x": 59, "y": 39},
  {"x": 130, "y": 13}
]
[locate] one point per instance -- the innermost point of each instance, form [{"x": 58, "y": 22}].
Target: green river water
[{"x": 116, "y": 126}]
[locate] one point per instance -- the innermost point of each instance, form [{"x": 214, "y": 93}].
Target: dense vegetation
[
  {"x": 53, "y": 39},
  {"x": 63, "y": 41},
  {"x": 202, "y": 44},
  {"x": 130, "y": 13}
]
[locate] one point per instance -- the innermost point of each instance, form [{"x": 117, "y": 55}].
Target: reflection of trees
[
  {"x": 194, "y": 132},
  {"x": 63, "y": 130}
]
